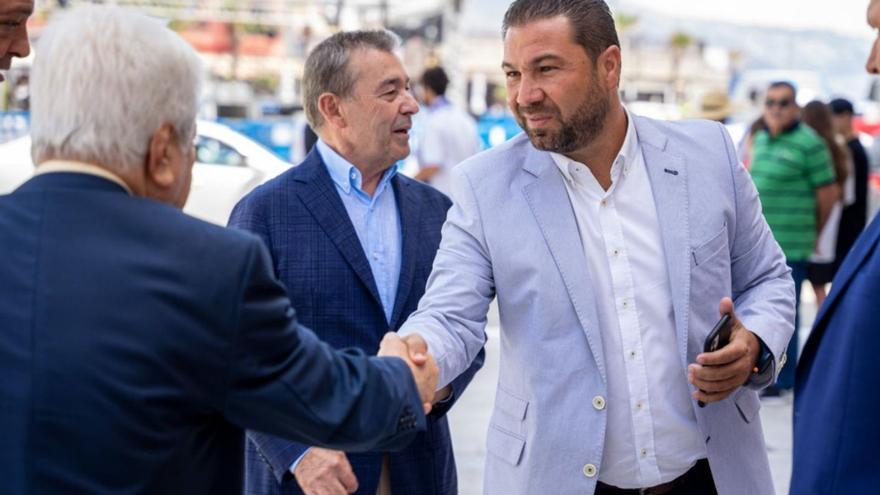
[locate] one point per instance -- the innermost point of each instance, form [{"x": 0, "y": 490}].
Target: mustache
[{"x": 537, "y": 108}]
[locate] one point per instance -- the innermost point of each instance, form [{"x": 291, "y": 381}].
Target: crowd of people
[{"x": 144, "y": 351}]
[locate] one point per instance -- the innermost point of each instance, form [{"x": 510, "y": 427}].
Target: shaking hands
[{"x": 414, "y": 351}]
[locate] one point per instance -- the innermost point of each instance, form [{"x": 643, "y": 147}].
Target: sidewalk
[{"x": 470, "y": 416}]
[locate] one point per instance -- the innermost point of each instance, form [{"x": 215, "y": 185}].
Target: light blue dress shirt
[{"x": 375, "y": 220}]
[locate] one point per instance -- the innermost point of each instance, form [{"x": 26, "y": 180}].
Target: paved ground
[{"x": 470, "y": 417}]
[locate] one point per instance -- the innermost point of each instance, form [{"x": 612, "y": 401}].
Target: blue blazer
[
  {"x": 837, "y": 391},
  {"x": 318, "y": 256},
  {"x": 137, "y": 343}
]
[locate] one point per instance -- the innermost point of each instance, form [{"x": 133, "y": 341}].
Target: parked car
[{"x": 228, "y": 166}]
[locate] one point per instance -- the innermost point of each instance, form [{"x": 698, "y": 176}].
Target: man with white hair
[{"x": 137, "y": 342}]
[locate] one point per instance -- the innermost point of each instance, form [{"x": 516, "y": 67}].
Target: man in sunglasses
[{"x": 791, "y": 167}]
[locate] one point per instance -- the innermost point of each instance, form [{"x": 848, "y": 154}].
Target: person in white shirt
[
  {"x": 612, "y": 243},
  {"x": 449, "y": 135}
]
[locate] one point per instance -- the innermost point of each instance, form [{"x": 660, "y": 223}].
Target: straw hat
[{"x": 715, "y": 105}]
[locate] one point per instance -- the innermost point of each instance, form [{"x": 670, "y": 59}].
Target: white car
[{"x": 228, "y": 166}]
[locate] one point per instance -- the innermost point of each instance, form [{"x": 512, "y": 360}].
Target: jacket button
[
  {"x": 589, "y": 470},
  {"x": 599, "y": 402}
]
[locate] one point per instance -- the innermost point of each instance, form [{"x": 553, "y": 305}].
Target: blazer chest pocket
[
  {"x": 711, "y": 248},
  {"x": 506, "y": 438}
]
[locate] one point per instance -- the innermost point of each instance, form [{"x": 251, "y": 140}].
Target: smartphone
[{"x": 717, "y": 338}]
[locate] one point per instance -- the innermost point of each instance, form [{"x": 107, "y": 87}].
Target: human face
[
  {"x": 843, "y": 124},
  {"x": 378, "y": 113},
  {"x": 780, "y": 109},
  {"x": 873, "y": 64},
  {"x": 554, "y": 89},
  {"x": 13, "y": 31}
]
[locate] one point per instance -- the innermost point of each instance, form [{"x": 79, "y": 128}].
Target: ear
[
  {"x": 159, "y": 167},
  {"x": 331, "y": 110},
  {"x": 608, "y": 64}
]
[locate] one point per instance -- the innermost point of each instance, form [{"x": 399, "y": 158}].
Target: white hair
[{"x": 104, "y": 80}]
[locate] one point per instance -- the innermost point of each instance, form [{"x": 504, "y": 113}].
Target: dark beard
[{"x": 578, "y": 131}]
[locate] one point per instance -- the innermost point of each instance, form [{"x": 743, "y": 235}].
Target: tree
[{"x": 679, "y": 42}]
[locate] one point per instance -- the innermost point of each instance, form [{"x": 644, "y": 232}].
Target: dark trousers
[
  {"x": 697, "y": 481},
  {"x": 786, "y": 376}
]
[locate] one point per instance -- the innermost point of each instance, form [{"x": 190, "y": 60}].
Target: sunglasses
[{"x": 770, "y": 103}]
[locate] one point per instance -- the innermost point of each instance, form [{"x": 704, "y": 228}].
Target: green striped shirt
[{"x": 787, "y": 170}]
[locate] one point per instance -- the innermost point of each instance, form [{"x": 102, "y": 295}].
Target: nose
[
  {"x": 528, "y": 92},
  {"x": 20, "y": 46},
  {"x": 409, "y": 106}
]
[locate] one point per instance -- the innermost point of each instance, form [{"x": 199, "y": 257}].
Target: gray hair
[
  {"x": 591, "y": 20},
  {"x": 104, "y": 80},
  {"x": 327, "y": 69}
]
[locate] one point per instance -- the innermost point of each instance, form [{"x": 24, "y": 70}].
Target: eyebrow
[
  {"x": 536, "y": 61},
  {"x": 392, "y": 81}
]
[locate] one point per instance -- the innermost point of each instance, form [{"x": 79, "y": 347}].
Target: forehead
[
  {"x": 16, "y": 8},
  {"x": 371, "y": 67},
  {"x": 551, "y": 36},
  {"x": 780, "y": 91}
]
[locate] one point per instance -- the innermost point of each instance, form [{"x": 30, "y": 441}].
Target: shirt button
[
  {"x": 640, "y": 405},
  {"x": 599, "y": 402},
  {"x": 616, "y": 252},
  {"x": 632, "y": 354},
  {"x": 643, "y": 452},
  {"x": 589, "y": 470},
  {"x": 604, "y": 202},
  {"x": 625, "y": 304}
]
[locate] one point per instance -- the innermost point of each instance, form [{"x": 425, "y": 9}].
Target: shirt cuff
[{"x": 296, "y": 462}]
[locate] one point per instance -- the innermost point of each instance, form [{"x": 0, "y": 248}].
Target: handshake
[{"x": 414, "y": 351}]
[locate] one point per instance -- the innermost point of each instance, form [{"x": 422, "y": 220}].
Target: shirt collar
[
  {"x": 346, "y": 175},
  {"x": 625, "y": 157},
  {"x": 56, "y": 166}
]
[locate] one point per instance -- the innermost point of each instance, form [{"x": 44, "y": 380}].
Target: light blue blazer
[{"x": 512, "y": 234}]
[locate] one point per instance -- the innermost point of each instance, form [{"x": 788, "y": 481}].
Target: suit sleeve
[
  {"x": 284, "y": 381},
  {"x": 763, "y": 290},
  {"x": 452, "y": 314}
]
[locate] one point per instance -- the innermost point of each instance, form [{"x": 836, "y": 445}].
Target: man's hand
[
  {"x": 325, "y": 472},
  {"x": 422, "y": 364},
  {"x": 718, "y": 374}
]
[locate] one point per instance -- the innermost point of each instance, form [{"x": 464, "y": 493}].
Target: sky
[{"x": 841, "y": 16}]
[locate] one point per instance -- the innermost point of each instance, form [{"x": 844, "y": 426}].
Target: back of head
[
  {"x": 591, "y": 20},
  {"x": 103, "y": 80},
  {"x": 327, "y": 67},
  {"x": 436, "y": 80},
  {"x": 817, "y": 115}
]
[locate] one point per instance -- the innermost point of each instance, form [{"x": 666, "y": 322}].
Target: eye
[
  {"x": 511, "y": 74},
  {"x": 546, "y": 68}
]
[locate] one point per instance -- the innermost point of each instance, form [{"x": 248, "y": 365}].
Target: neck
[
  {"x": 371, "y": 171},
  {"x": 600, "y": 153}
]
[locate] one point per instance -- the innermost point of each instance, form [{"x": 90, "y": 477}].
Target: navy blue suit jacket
[
  {"x": 137, "y": 343},
  {"x": 318, "y": 256},
  {"x": 837, "y": 391}
]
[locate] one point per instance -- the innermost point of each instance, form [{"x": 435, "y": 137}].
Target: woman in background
[{"x": 821, "y": 269}]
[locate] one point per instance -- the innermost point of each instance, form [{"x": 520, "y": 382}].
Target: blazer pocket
[
  {"x": 748, "y": 404},
  {"x": 710, "y": 248},
  {"x": 505, "y": 445}
]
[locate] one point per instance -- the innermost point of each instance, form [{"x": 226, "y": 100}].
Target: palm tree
[{"x": 679, "y": 42}]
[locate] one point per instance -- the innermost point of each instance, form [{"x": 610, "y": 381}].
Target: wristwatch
[{"x": 765, "y": 359}]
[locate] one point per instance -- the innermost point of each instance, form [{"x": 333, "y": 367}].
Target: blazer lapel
[
  {"x": 323, "y": 202},
  {"x": 549, "y": 202},
  {"x": 410, "y": 211},
  {"x": 854, "y": 260},
  {"x": 668, "y": 174}
]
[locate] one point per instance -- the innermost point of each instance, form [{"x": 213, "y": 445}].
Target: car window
[{"x": 212, "y": 152}]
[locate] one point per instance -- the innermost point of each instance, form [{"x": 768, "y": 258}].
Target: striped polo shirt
[{"x": 787, "y": 170}]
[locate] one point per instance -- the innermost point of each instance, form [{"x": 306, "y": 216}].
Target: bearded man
[{"x": 613, "y": 243}]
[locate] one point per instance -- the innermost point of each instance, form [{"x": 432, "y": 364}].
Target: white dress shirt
[{"x": 651, "y": 435}]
